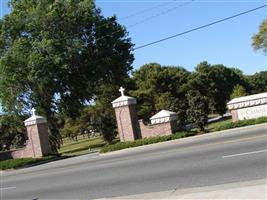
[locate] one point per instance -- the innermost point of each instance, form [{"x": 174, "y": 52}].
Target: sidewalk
[{"x": 241, "y": 190}]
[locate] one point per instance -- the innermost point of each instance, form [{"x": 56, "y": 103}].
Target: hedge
[
  {"x": 145, "y": 141},
  {"x": 22, "y": 162},
  {"x": 241, "y": 123}
]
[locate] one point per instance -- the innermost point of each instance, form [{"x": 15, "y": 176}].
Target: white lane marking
[
  {"x": 247, "y": 153},
  {"x": 8, "y": 188}
]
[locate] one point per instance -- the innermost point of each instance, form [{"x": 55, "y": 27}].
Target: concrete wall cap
[
  {"x": 247, "y": 101},
  {"x": 35, "y": 119},
  {"x": 248, "y": 98},
  {"x": 163, "y": 113},
  {"x": 123, "y": 98},
  {"x": 163, "y": 116},
  {"x": 123, "y": 101}
]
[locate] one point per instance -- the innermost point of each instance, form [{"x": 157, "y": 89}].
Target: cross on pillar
[
  {"x": 122, "y": 91},
  {"x": 33, "y": 110}
]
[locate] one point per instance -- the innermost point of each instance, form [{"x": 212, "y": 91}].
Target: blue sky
[{"x": 227, "y": 43}]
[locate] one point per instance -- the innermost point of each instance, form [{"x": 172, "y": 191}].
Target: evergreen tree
[{"x": 198, "y": 109}]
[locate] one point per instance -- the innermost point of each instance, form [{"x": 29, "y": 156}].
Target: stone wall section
[
  {"x": 33, "y": 136},
  {"x": 248, "y": 107},
  {"x": 37, "y": 144},
  {"x": 26, "y": 152},
  {"x": 127, "y": 123},
  {"x": 161, "y": 129},
  {"x": 44, "y": 139},
  {"x": 130, "y": 129}
]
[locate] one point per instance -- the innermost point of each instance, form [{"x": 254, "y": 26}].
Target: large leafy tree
[
  {"x": 217, "y": 83},
  {"x": 258, "y": 82},
  {"x": 259, "y": 40},
  {"x": 146, "y": 81},
  {"x": 12, "y": 131},
  {"x": 101, "y": 116},
  {"x": 161, "y": 87},
  {"x": 55, "y": 54}
]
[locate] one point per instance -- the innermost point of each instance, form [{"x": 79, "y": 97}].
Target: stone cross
[
  {"x": 122, "y": 91},
  {"x": 33, "y": 111}
]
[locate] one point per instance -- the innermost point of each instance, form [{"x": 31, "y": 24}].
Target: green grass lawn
[
  {"x": 227, "y": 123},
  {"x": 69, "y": 149},
  {"x": 83, "y": 146},
  {"x": 215, "y": 125}
]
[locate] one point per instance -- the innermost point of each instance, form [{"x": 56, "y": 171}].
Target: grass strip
[
  {"x": 145, "y": 141},
  {"x": 23, "y": 162},
  {"x": 229, "y": 124}
]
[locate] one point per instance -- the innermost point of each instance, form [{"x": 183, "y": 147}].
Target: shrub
[
  {"x": 21, "y": 162},
  {"x": 145, "y": 141},
  {"x": 241, "y": 123}
]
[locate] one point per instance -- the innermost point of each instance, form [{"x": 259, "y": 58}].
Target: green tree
[
  {"x": 166, "y": 101},
  {"x": 258, "y": 82},
  {"x": 101, "y": 118},
  {"x": 217, "y": 83},
  {"x": 198, "y": 109},
  {"x": 71, "y": 129},
  {"x": 12, "y": 131},
  {"x": 238, "y": 91},
  {"x": 259, "y": 40},
  {"x": 160, "y": 87},
  {"x": 145, "y": 79},
  {"x": 55, "y": 54}
]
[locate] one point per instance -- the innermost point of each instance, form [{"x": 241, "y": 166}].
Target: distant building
[{"x": 248, "y": 107}]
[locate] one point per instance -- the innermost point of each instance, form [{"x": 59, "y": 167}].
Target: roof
[
  {"x": 35, "y": 119},
  {"x": 123, "y": 101},
  {"x": 123, "y": 98},
  {"x": 248, "y": 98},
  {"x": 163, "y": 113}
]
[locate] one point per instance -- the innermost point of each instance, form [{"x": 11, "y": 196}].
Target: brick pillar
[
  {"x": 37, "y": 131},
  {"x": 127, "y": 122}
]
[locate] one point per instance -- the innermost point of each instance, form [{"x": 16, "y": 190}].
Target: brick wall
[
  {"x": 25, "y": 152},
  {"x": 156, "y": 129},
  {"x": 44, "y": 139},
  {"x": 33, "y": 136},
  {"x": 36, "y": 147},
  {"x": 127, "y": 122}
]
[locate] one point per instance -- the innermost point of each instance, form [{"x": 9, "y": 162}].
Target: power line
[
  {"x": 148, "y": 9},
  {"x": 200, "y": 27},
  {"x": 161, "y": 13},
  {"x": 150, "y": 18}
]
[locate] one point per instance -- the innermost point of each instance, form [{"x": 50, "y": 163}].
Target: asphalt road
[{"x": 219, "y": 158}]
